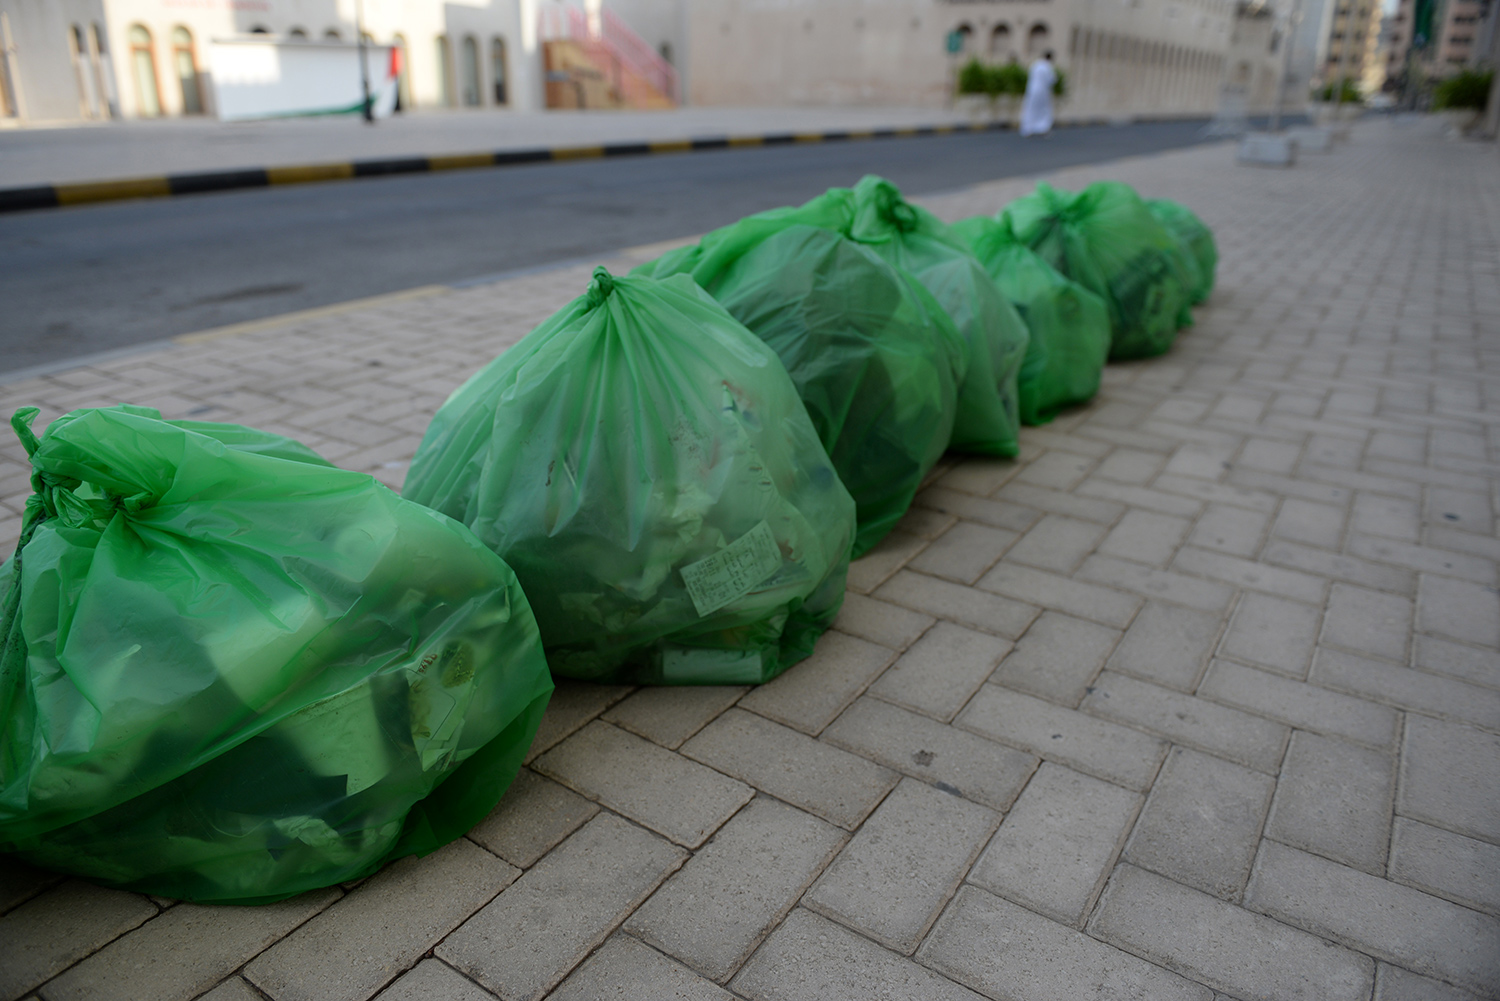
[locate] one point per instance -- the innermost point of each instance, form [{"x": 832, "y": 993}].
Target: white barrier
[{"x": 267, "y": 78}]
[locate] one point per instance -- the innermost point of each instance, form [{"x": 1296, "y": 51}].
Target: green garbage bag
[
  {"x": 1106, "y": 239},
  {"x": 1196, "y": 238},
  {"x": 873, "y": 355},
  {"x": 1069, "y": 325},
  {"x": 874, "y": 214},
  {"x": 644, "y": 464},
  {"x": 234, "y": 673}
]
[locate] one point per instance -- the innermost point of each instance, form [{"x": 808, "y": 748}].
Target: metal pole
[{"x": 364, "y": 70}]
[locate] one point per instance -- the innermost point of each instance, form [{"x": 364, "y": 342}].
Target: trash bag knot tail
[
  {"x": 600, "y": 288},
  {"x": 893, "y": 208}
]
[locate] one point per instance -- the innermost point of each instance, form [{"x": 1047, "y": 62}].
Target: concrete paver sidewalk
[{"x": 1198, "y": 699}]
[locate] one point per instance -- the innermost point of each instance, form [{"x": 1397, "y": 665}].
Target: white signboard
[{"x": 255, "y": 78}]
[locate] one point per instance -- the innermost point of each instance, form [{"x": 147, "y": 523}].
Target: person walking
[{"x": 1036, "y": 106}]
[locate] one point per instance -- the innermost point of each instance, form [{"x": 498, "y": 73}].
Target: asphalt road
[{"x": 78, "y": 281}]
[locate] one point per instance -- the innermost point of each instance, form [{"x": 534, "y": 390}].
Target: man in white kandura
[{"x": 1036, "y": 106}]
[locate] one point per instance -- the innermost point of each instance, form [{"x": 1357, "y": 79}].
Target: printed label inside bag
[{"x": 725, "y": 576}]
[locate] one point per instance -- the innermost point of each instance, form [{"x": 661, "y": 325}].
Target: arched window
[
  {"x": 471, "y": 86},
  {"x": 259, "y": 29},
  {"x": 143, "y": 69},
  {"x": 445, "y": 70},
  {"x": 297, "y": 34},
  {"x": 499, "y": 73},
  {"x": 403, "y": 73},
  {"x": 1036, "y": 41},
  {"x": 966, "y": 35},
  {"x": 103, "y": 78},
  {"x": 1000, "y": 45},
  {"x": 332, "y": 35},
  {"x": 187, "y": 70},
  {"x": 78, "y": 49}
]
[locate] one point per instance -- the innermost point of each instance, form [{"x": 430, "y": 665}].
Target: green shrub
[
  {"x": 973, "y": 78},
  {"x": 1468, "y": 89},
  {"x": 993, "y": 81},
  {"x": 1331, "y": 93},
  {"x": 1060, "y": 87}
]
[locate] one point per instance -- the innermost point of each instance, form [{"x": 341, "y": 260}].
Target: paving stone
[
  {"x": 925, "y": 523},
  {"x": 923, "y": 748},
  {"x": 1395, "y": 984},
  {"x": 1115, "y": 753},
  {"x": 881, "y": 622},
  {"x": 51, "y": 932},
  {"x": 1250, "y": 740},
  {"x": 1448, "y": 777},
  {"x": 1251, "y": 575},
  {"x": 1269, "y": 455},
  {"x": 1368, "y": 622},
  {"x": 1378, "y": 576},
  {"x": 430, "y": 981},
  {"x": 1057, "y": 502},
  {"x": 572, "y": 705},
  {"x": 1334, "y": 798},
  {"x": 1012, "y": 517},
  {"x": 1481, "y": 666},
  {"x": 1310, "y": 522},
  {"x": 1167, "y": 644},
  {"x": 1443, "y": 535},
  {"x": 20, "y": 882},
  {"x": 1058, "y": 843},
  {"x": 627, "y": 970},
  {"x": 964, "y": 552},
  {"x": 669, "y": 714},
  {"x": 957, "y": 603},
  {"x": 1274, "y": 633},
  {"x": 1146, "y": 537},
  {"x": 1056, "y": 543},
  {"x": 810, "y": 958},
  {"x": 534, "y": 816},
  {"x": 1446, "y": 864},
  {"x": 1387, "y": 920},
  {"x": 381, "y": 928},
  {"x": 1222, "y": 495},
  {"x": 1007, "y": 952},
  {"x": 1229, "y": 530},
  {"x": 1085, "y": 601},
  {"x": 1298, "y": 704},
  {"x": 1057, "y": 658},
  {"x": 1128, "y": 465},
  {"x": 1459, "y": 610},
  {"x": 1056, "y": 471},
  {"x": 903, "y": 864},
  {"x": 1422, "y": 558},
  {"x": 1392, "y": 517},
  {"x": 1140, "y": 497},
  {"x": 1405, "y": 687},
  {"x": 981, "y": 477},
  {"x": 720, "y": 905},
  {"x": 810, "y": 694},
  {"x": 833, "y": 784},
  {"x": 531, "y": 936},
  {"x": 889, "y": 555},
  {"x": 942, "y": 670},
  {"x": 653, "y": 786},
  {"x": 1460, "y": 509},
  {"x": 1224, "y": 946},
  {"x": 1204, "y": 595},
  {"x": 237, "y": 989},
  {"x": 1201, "y": 823}
]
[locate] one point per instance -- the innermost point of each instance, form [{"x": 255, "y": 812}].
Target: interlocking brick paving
[{"x": 1198, "y": 698}]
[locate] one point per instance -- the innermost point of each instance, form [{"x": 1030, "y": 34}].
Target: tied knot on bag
[
  {"x": 894, "y": 209},
  {"x": 57, "y": 496},
  {"x": 600, "y": 288}
]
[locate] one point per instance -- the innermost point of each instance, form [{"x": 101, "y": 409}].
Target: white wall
[{"x": 42, "y": 64}]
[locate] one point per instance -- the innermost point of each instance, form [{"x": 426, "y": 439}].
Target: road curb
[{"x": 50, "y": 196}]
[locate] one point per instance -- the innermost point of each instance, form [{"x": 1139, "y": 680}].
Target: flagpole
[{"x": 364, "y": 70}]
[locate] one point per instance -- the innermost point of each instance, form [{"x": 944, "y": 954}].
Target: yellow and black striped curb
[{"x": 46, "y": 196}]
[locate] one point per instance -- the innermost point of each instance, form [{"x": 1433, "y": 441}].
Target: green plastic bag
[
  {"x": 234, "y": 673},
  {"x": 873, "y": 355},
  {"x": 644, "y": 464},
  {"x": 874, "y": 214},
  {"x": 1069, "y": 325},
  {"x": 1196, "y": 238},
  {"x": 1106, "y": 239}
]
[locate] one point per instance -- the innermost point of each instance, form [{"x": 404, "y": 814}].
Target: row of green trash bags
[{"x": 233, "y": 672}]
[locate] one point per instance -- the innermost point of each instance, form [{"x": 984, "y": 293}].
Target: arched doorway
[
  {"x": 1037, "y": 40},
  {"x": 143, "y": 70},
  {"x": 472, "y": 92},
  {"x": 498, "y": 71},
  {"x": 187, "y": 70},
  {"x": 445, "y": 70},
  {"x": 78, "y": 48},
  {"x": 1001, "y": 47},
  {"x": 965, "y": 33}
]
